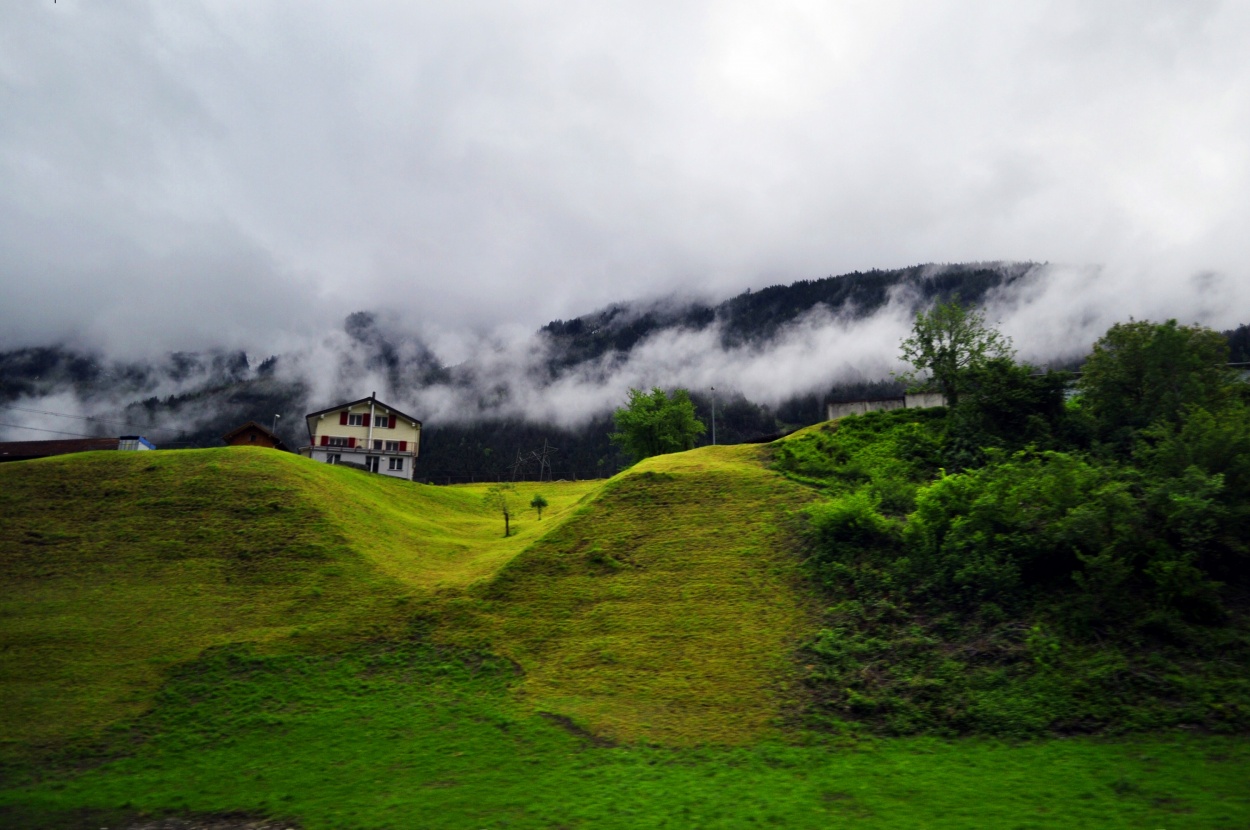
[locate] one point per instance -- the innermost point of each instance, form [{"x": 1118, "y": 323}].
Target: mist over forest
[{"x": 772, "y": 358}]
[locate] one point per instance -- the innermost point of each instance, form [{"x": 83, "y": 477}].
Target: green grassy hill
[
  {"x": 117, "y": 567},
  {"x": 666, "y": 608},
  {"x": 661, "y": 604},
  {"x": 239, "y": 631}
]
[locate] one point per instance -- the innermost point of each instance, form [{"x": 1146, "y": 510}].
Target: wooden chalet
[{"x": 253, "y": 434}]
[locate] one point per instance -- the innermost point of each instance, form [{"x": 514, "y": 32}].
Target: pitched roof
[
  {"x": 375, "y": 401},
  {"x": 278, "y": 444},
  {"x": 16, "y": 450}
]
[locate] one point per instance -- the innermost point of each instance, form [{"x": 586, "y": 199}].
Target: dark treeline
[
  {"x": 1239, "y": 344},
  {"x": 757, "y": 316},
  {"x": 222, "y": 389},
  {"x": 489, "y": 450}
]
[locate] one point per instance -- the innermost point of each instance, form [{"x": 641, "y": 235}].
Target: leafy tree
[
  {"x": 1239, "y": 344},
  {"x": 948, "y": 340},
  {"x": 502, "y": 499},
  {"x": 654, "y": 423},
  {"x": 1008, "y": 406},
  {"x": 1141, "y": 372},
  {"x": 538, "y": 503}
]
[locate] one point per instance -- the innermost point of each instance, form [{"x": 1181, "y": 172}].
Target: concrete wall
[
  {"x": 841, "y": 410},
  {"x": 924, "y": 400},
  {"x": 918, "y": 400}
]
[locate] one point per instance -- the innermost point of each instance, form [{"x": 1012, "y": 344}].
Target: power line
[
  {"x": 54, "y": 431},
  {"x": 90, "y": 418}
]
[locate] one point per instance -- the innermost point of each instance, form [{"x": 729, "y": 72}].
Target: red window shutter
[
  {"x": 403, "y": 446},
  {"x": 351, "y": 443},
  {"x": 343, "y": 418},
  {"x": 365, "y": 421},
  {"x": 391, "y": 424},
  {"x": 325, "y": 440}
]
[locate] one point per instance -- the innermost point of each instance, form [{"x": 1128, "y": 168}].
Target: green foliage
[
  {"x": 1097, "y": 562},
  {"x": 1048, "y": 584},
  {"x": 1024, "y": 523},
  {"x": 1215, "y": 442},
  {"x": 946, "y": 342},
  {"x": 1008, "y": 406},
  {"x": 1142, "y": 372},
  {"x": 501, "y": 499},
  {"x": 891, "y": 453},
  {"x": 654, "y": 423},
  {"x": 538, "y": 503}
]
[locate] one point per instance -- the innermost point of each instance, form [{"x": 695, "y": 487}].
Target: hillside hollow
[{"x": 662, "y": 605}]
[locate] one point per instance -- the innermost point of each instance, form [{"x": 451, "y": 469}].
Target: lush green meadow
[
  {"x": 393, "y": 736},
  {"x": 240, "y": 631}
]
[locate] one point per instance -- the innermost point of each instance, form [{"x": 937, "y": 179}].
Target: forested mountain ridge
[
  {"x": 756, "y": 316},
  {"x": 191, "y": 399}
]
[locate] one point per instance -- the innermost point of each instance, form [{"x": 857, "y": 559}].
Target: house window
[
  {"x": 383, "y": 421},
  {"x": 333, "y": 458},
  {"x": 336, "y": 442},
  {"x": 357, "y": 420},
  {"x": 377, "y": 445},
  {"x": 392, "y": 446},
  {"x": 397, "y": 463},
  {"x": 371, "y": 463}
]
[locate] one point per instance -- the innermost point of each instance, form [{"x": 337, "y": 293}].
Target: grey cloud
[{"x": 178, "y": 175}]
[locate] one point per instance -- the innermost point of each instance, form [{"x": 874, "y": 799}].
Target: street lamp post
[
  {"x": 275, "y": 424},
  {"x": 713, "y": 416}
]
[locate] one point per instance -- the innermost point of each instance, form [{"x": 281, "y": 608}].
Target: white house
[{"x": 365, "y": 433}]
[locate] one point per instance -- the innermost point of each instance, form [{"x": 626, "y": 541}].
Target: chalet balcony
[{"x": 360, "y": 449}]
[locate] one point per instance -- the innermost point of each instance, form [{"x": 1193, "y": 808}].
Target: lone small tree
[
  {"x": 538, "y": 503},
  {"x": 948, "y": 340},
  {"x": 501, "y": 499},
  {"x": 654, "y": 423}
]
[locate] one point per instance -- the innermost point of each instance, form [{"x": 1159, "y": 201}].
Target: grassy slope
[
  {"x": 666, "y": 609},
  {"x": 114, "y": 567},
  {"x": 404, "y": 737},
  {"x": 660, "y": 606}
]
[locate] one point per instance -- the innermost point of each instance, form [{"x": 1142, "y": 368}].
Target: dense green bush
[
  {"x": 1028, "y": 522},
  {"x": 1023, "y": 563},
  {"x": 1010, "y": 406},
  {"x": 1141, "y": 373},
  {"x": 890, "y": 452}
]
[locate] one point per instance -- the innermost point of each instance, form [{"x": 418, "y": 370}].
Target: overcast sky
[{"x": 175, "y": 175}]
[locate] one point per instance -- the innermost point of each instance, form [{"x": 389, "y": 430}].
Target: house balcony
[{"x": 359, "y": 449}]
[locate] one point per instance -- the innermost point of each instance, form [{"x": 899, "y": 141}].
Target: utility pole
[
  {"x": 713, "y": 416},
  {"x": 544, "y": 460}
]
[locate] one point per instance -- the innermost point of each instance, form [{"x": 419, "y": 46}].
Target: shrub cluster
[{"x": 1024, "y": 563}]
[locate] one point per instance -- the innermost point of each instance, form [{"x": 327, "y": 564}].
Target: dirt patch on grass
[
  {"x": 228, "y": 821},
  {"x": 94, "y": 819},
  {"x": 568, "y": 725}
]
